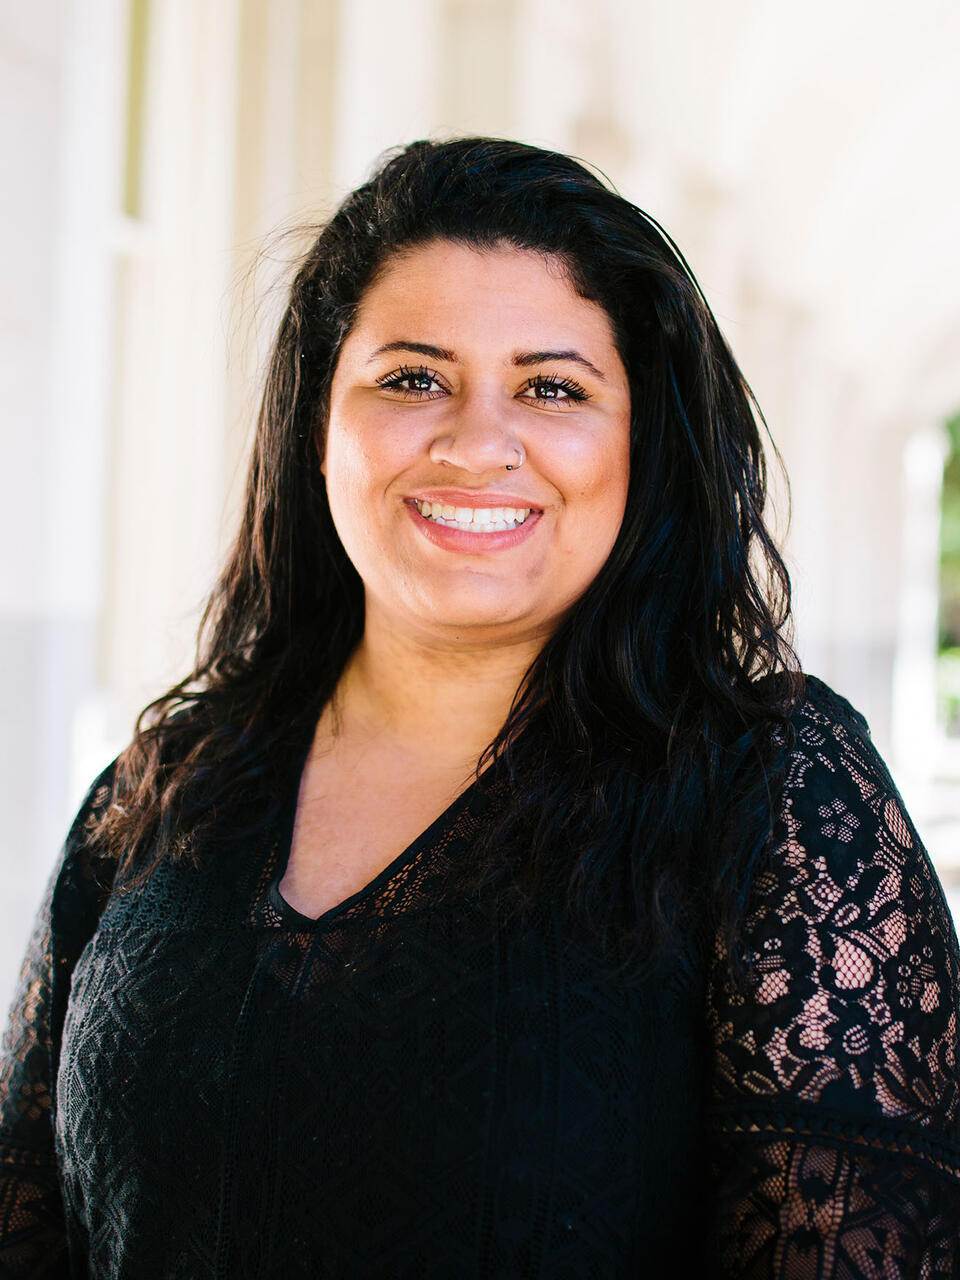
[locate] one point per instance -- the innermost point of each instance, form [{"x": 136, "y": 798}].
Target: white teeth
[{"x": 473, "y": 519}]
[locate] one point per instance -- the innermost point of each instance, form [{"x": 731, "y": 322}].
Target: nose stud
[{"x": 515, "y": 465}]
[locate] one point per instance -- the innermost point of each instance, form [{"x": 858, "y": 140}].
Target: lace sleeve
[
  {"x": 32, "y": 1233},
  {"x": 835, "y": 1095}
]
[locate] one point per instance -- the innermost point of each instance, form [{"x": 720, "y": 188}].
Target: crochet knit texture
[{"x": 198, "y": 1081}]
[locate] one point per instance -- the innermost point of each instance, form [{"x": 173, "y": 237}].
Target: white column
[
  {"x": 387, "y": 77},
  {"x": 73, "y": 489},
  {"x": 914, "y": 684},
  {"x": 173, "y": 273},
  {"x": 59, "y": 84}
]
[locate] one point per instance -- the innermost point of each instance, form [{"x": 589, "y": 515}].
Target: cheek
[
  {"x": 348, "y": 471},
  {"x": 370, "y": 448},
  {"x": 360, "y": 459},
  {"x": 365, "y": 454},
  {"x": 596, "y": 476}
]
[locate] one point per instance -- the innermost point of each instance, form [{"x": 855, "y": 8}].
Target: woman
[{"x": 495, "y": 898}]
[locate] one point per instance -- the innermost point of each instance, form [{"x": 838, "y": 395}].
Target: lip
[
  {"x": 463, "y": 540},
  {"x": 475, "y": 498}
]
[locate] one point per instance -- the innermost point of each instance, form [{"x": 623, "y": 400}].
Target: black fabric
[{"x": 197, "y": 1081}]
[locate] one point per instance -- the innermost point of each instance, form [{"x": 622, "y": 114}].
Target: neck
[{"x": 434, "y": 702}]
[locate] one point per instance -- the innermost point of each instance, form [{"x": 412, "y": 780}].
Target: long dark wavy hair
[{"x": 641, "y": 759}]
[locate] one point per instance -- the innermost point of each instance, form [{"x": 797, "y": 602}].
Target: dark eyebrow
[
  {"x": 421, "y": 348},
  {"x": 527, "y": 358},
  {"x": 522, "y": 359}
]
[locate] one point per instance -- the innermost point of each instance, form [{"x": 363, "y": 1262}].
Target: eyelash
[
  {"x": 572, "y": 390},
  {"x": 393, "y": 381}
]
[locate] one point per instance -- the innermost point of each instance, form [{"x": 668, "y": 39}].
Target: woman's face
[{"x": 460, "y": 363}]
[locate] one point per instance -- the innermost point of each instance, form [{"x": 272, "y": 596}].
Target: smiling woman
[
  {"x": 496, "y": 898},
  {"x": 514, "y": 552}
]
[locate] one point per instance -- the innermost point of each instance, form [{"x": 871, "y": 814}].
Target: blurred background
[{"x": 804, "y": 159}]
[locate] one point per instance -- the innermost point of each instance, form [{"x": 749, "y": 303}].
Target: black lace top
[{"x": 197, "y": 1081}]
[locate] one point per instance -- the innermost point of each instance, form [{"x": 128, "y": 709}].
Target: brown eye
[
  {"x": 418, "y": 384},
  {"x": 561, "y": 391}
]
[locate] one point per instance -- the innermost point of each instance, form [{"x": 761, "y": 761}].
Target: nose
[{"x": 476, "y": 440}]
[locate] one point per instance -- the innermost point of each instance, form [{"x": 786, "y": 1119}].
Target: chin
[
  {"x": 459, "y": 610},
  {"x": 483, "y": 619}
]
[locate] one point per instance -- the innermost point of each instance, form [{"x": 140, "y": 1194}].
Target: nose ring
[{"x": 515, "y": 465}]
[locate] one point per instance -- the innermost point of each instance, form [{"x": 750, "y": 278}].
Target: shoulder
[
  {"x": 67, "y": 915},
  {"x": 81, "y": 841},
  {"x": 838, "y": 800},
  {"x": 853, "y": 993},
  {"x": 837, "y": 811},
  {"x": 84, "y": 874},
  {"x": 824, "y": 725}
]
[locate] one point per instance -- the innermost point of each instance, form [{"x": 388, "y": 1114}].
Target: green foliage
[
  {"x": 950, "y": 542},
  {"x": 948, "y": 690}
]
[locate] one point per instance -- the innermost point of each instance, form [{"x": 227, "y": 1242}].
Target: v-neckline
[{"x": 296, "y": 919}]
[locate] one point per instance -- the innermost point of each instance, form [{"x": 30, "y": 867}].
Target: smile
[{"x": 473, "y": 519}]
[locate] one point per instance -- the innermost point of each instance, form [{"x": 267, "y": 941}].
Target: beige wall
[{"x": 800, "y": 165}]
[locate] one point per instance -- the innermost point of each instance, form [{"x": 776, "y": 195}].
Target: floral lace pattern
[
  {"x": 836, "y": 1085},
  {"x": 403, "y": 1090}
]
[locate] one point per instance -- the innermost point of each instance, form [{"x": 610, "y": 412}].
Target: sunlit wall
[{"x": 154, "y": 149}]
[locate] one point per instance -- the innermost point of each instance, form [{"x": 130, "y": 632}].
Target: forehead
[{"x": 445, "y": 288}]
